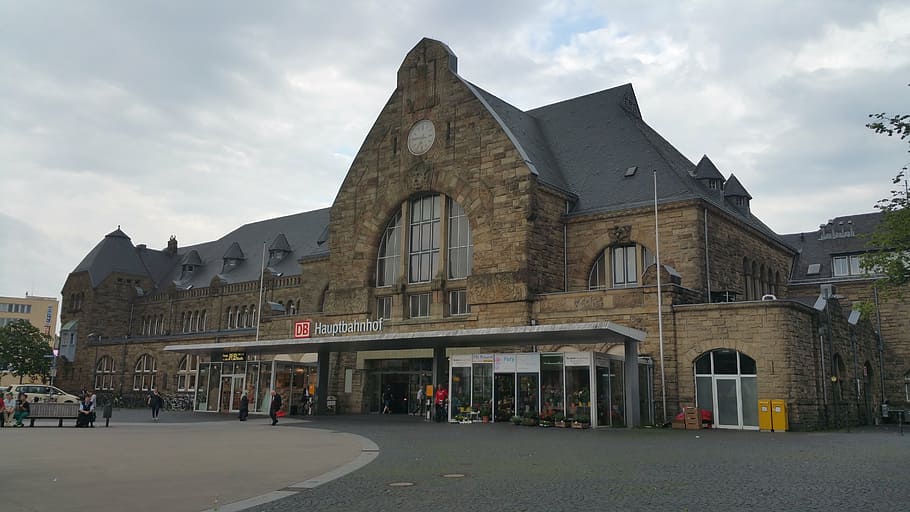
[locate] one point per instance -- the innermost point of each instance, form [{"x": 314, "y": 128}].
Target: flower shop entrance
[{"x": 583, "y": 388}]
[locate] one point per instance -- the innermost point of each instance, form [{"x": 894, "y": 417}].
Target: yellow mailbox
[
  {"x": 778, "y": 416},
  {"x": 764, "y": 415}
]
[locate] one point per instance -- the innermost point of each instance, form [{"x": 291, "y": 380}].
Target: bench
[{"x": 45, "y": 410}]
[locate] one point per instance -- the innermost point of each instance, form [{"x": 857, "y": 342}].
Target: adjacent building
[
  {"x": 565, "y": 260},
  {"x": 41, "y": 312}
]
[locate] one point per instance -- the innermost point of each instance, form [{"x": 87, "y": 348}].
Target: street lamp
[{"x": 853, "y": 319}]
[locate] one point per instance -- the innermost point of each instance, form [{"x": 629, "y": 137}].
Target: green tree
[
  {"x": 892, "y": 237},
  {"x": 24, "y": 350}
]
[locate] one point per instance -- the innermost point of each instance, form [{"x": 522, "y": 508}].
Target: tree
[
  {"x": 25, "y": 350},
  {"x": 891, "y": 238}
]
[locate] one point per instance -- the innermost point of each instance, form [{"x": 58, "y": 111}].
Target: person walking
[
  {"x": 387, "y": 400},
  {"x": 441, "y": 397},
  {"x": 274, "y": 407},
  {"x": 421, "y": 396},
  {"x": 244, "y": 406},
  {"x": 156, "y": 402}
]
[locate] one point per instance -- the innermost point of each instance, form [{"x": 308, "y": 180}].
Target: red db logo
[{"x": 302, "y": 329}]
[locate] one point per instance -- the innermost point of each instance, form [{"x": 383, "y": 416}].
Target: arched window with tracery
[
  {"x": 104, "y": 373},
  {"x": 187, "y": 370},
  {"x": 412, "y": 247},
  {"x": 145, "y": 373}
]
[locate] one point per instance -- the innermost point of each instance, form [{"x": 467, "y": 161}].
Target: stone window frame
[
  {"x": 601, "y": 275},
  {"x": 458, "y": 302},
  {"x": 145, "y": 373},
  {"x": 187, "y": 373},
  {"x": 424, "y": 238},
  {"x": 416, "y": 302},
  {"x": 105, "y": 370},
  {"x": 384, "y": 307}
]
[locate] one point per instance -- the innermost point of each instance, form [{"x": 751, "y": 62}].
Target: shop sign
[
  {"x": 231, "y": 357},
  {"x": 504, "y": 363},
  {"x": 307, "y": 328},
  {"x": 50, "y": 312},
  {"x": 462, "y": 361},
  {"x": 482, "y": 358},
  {"x": 528, "y": 363},
  {"x": 578, "y": 359}
]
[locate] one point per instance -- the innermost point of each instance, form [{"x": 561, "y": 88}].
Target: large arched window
[
  {"x": 104, "y": 373},
  {"x": 145, "y": 373},
  {"x": 619, "y": 266},
  {"x": 726, "y": 383},
  {"x": 428, "y": 254},
  {"x": 186, "y": 373}
]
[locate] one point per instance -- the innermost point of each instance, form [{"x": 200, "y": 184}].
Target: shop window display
[
  {"x": 578, "y": 393},
  {"x": 460, "y": 396},
  {"x": 551, "y": 386}
]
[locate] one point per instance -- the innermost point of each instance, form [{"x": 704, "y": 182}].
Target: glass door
[
  {"x": 237, "y": 383},
  {"x": 504, "y": 389},
  {"x": 528, "y": 396},
  {"x": 728, "y": 410}
]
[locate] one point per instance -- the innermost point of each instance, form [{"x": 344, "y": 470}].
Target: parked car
[{"x": 43, "y": 393}]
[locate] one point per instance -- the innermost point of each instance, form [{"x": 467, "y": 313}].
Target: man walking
[
  {"x": 274, "y": 407},
  {"x": 244, "y": 407}
]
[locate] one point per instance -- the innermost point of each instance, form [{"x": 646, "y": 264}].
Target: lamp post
[
  {"x": 852, "y": 320},
  {"x": 821, "y": 304}
]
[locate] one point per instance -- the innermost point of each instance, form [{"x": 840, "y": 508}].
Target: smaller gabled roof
[
  {"x": 706, "y": 170},
  {"x": 280, "y": 244},
  {"x": 734, "y": 188},
  {"x": 234, "y": 252},
  {"x": 192, "y": 258}
]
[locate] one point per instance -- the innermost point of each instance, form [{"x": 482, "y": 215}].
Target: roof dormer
[
  {"x": 737, "y": 194},
  {"x": 190, "y": 262},
  {"x": 279, "y": 249},
  {"x": 707, "y": 174},
  {"x": 233, "y": 257}
]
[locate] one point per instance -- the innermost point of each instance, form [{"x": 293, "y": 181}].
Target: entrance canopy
[{"x": 557, "y": 334}]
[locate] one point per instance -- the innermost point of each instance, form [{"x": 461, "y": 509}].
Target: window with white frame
[
  {"x": 104, "y": 373},
  {"x": 389, "y": 253},
  {"x": 847, "y": 265},
  {"x": 145, "y": 373},
  {"x": 458, "y": 302},
  {"x": 618, "y": 266},
  {"x": 420, "y": 305},
  {"x": 186, "y": 373},
  {"x": 460, "y": 246},
  {"x": 424, "y": 239},
  {"x": 383, "y": 307}
]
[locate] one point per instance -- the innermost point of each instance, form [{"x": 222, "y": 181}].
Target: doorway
[
  {"x": 232, "y": 387},
  {"x": 727, "y": 385}
]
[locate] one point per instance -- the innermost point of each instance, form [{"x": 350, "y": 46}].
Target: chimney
[{"x": 172, "y": 245}]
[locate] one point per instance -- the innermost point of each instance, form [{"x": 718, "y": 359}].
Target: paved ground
[{"x": 188, "y": 461}]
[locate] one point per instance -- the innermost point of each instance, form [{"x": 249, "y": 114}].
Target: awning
[
  {"x": 70, "y": 326},
  {"x": 556, "y": 334}
]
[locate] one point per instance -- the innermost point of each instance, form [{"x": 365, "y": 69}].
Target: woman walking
[{"x": 156, "y": 402}]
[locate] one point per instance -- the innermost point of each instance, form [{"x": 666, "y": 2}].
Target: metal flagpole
[
  {"x": 660, "y": 309},
  {"x": 261, "y": 279}
]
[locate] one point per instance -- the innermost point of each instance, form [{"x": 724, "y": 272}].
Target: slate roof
[
  {"x": 234, "y": 252},
  {"x": 734, "y": 188},
  {"x": 301, "y": 232},
  {"x": 114, "y": 253},
  {"x": 706, "y": 170},
  {"x": 831, "y": 239},
  {"x": 583, "y": 146}
]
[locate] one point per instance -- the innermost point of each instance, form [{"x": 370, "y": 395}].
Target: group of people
[
  {"x": 13, "y": 410},
  {"x": 274, "y": 407}
]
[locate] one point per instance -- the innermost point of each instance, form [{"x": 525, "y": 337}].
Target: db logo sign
[{"x": 302, "y": 329}]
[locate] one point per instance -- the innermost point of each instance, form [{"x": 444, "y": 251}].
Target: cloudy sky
[{"x": 193, "y": 118}]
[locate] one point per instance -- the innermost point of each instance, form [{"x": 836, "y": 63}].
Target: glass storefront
[
  {"x": 583, "y": 386},
  {"x": 221, "y": 385}
]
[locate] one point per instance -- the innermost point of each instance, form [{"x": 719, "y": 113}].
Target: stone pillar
[
  {"x": 322, "y": 382},
  {"x": 633, "y": 411}
]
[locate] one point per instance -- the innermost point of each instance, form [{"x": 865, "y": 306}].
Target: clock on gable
[{"x": 421, "y": 137}]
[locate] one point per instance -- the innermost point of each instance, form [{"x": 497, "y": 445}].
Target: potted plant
[
  {"x": 559, "y": 420},
  {"x": 516, "y": 420},
  {"x": 485, "y": 412},
  {"x": 581, "y": 421},
  {"x": 529, "y": 419}
]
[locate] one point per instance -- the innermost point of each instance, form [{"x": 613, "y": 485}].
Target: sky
[{"x": 194, "y": 118}]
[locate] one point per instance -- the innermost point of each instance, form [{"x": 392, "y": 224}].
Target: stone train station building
[{"x": 509, "y": 255}]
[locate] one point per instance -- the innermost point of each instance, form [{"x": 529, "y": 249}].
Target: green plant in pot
[
  {"x": 485, "y": 412},
  {"x": 516, "y": 420}
]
